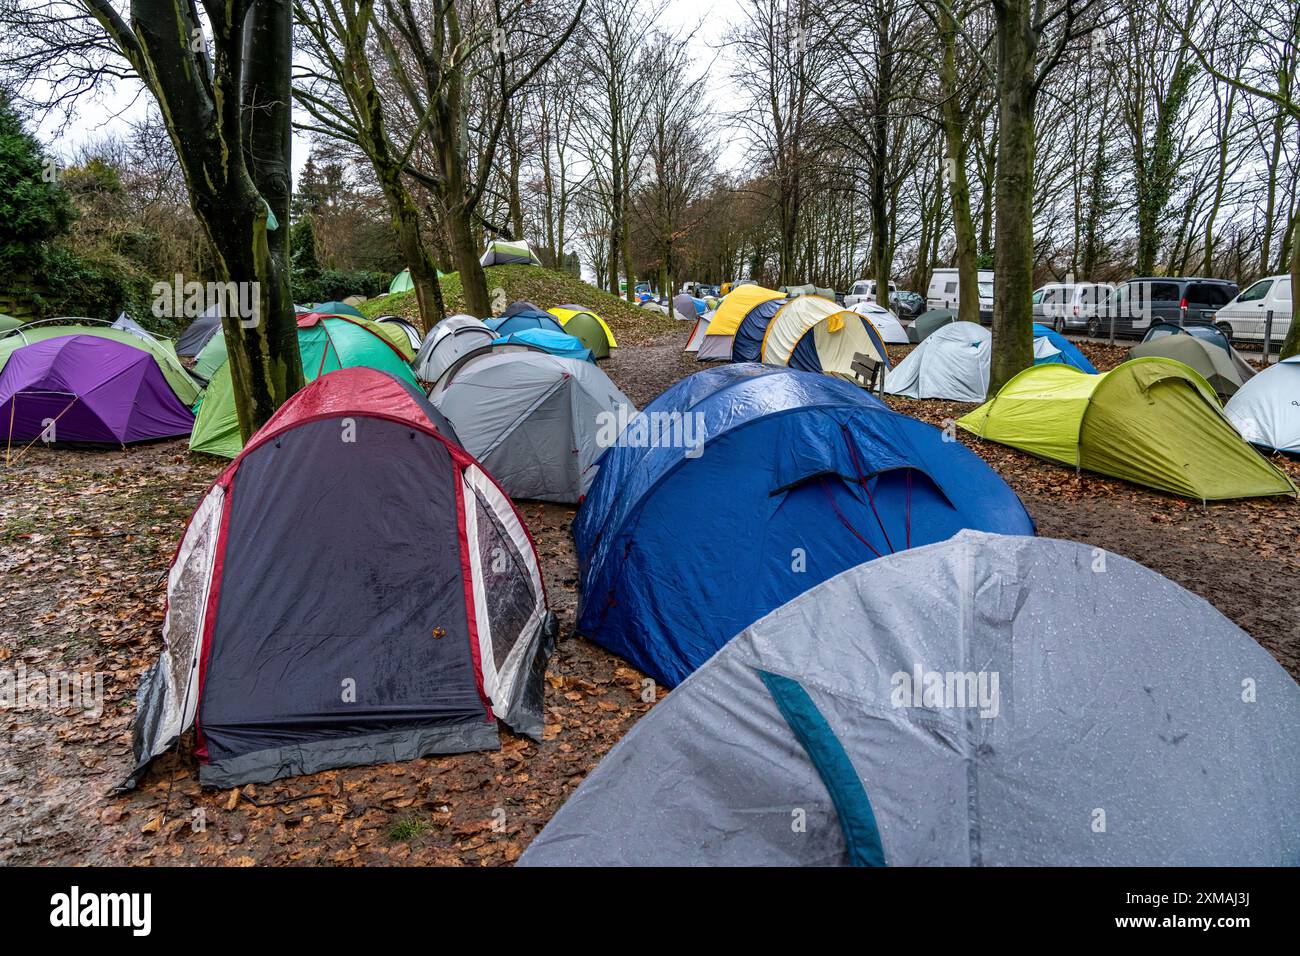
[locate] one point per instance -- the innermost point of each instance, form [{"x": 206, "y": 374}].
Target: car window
[
  {"x": 1038, "y": 297},
  {"x": 950, "y": 287},
  {"x": 986, "y": 290},
  {"x": 1257, "y": 291},
  {"x": 1164, "y": 292},
  {"x": 1203, "y": 293}
]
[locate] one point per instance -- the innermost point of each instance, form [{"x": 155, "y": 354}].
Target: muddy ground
[{"x": 85, "y": 541}]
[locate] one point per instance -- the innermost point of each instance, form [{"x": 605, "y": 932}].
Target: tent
[
  {"x": 125, "y": 323},
  {"x": 651, "y": 306},
  {"x": 588, "y": 326},
  {"x": 533, "y": 420},
  {"x": 698, "y": 331},
  {"x": 518, "y": 321},
  {"x": 401, "y": 283},
  {"x": 338, "y": 308},
  {"x": 200, "y": 332},
  {"x": 8, "y": 322},
  {"x": 1151, "y": 421},
  {"x": 164, "y": 354},
  {"x": 687, "y": 307},
  {"x": 1209, "y": 333},
  {"x": 1214, "y": 364},
  {"x": 747, "y": 345},
  {"x": 408, "y": 330},
  {"x": 518, "y": 306},
  {"x": 744, "y": 485},
  {"x": 353, "y": 589},
  {"x": 447, "y": 341},
  {"x": 85, "y": 388},
  {"x": 817, "y": 335},
  {"x": 927, "y": 322},
  {"x": 1266, "y": 410},
  {"x": 951, "y": 363},
  {"x": 719, "y": 339},
  {"x": 886, "y": 323},
  {"x": 501, "y": 252},
  {"x": 325, "y": 343},
  {"x": 969, "y": 703},
  {"x": 1052, "y": 346},
  {"x": 556, "y": 343},
  {"x": 491, "y": 348}
]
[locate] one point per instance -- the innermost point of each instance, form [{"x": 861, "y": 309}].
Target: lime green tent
[
  {"x": 587, "y": 327},
  {"x": 8, "y": 322},
  {"x": 325, "y": 343},
  {"x": 1152, "y": 421},
  {"x": 401, "y": 283},
  {"x": 163, "y": 351}
]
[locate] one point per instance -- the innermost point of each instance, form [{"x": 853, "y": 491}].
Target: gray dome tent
[
  {"x": 535, "y": 421},
  {"x": 412, "y": 333},
  {"x": 199, "y": 332},
  {"x": 982, "y": 701},
  {"x": 447, "y": 341},
  {"x": 928, "y": 322}
]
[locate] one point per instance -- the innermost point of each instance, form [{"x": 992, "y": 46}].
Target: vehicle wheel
[
  {"x": 1094, "y": 328},
  {"x": 1226, "y": 329},
  {"x": 1058, "y": 324}
]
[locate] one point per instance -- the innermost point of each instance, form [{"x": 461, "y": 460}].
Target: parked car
[
  {"x": 943, "y": 292},
  {"x": 864, "y": 290},
  {"x": 1245, "y": 316},
  {"x": 1069, "y": 305},
  {"x": 908, "y": 305},
  {"x": 1146, "y": 299}
]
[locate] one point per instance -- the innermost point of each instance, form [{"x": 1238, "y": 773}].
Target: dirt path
[{"x": 85, "y": 540}]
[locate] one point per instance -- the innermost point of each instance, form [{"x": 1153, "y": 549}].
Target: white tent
[
  {"x": 814, "y": 334},
  {"x": 700, "y": 330},
  {"x": 886, "y": 323},
  {"x": 412, "y": 333},
  {"x": 536, "y": 422},
  {"x": 447, "y": 341},
  {"x": 1266, "y": 410},
  {"x": 952, "y": 363}
]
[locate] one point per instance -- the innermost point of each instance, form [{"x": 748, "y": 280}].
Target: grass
[
  {"x": 542, "y": 287},
  {"x": 407, "y": 829}
]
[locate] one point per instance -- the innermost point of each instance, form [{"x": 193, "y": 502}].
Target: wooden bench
[{"x": 867, "y": 370}]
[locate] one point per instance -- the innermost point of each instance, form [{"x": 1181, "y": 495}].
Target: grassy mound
[{"x": 545, "y": 288}]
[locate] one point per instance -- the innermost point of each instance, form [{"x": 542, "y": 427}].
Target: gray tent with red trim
[{"x": 352, "y": 589}]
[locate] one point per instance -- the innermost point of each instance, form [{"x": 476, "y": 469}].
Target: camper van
[
  {"x": 1246, "y": 316},
  {"x": 943, "y": 292},
  {"x": 864, "y": 290}
]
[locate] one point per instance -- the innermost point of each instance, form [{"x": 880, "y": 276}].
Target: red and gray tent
[{"x": 353, "y": 589}]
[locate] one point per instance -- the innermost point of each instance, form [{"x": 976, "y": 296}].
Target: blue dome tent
[
  {"x": 1058, "y": 349},
  {"x": 744, "y": 485},
  {"x": 748, "y": 346},
  {"x": 524, "y": 319},
  {"x": 557, "y": 343}
]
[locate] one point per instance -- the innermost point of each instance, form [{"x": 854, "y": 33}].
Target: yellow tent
[{"x": 736, "y": 306}]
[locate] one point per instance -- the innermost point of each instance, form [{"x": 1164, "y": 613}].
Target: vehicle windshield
[
  {"x": 986, "y": 290},
  {"x": 1257, "y": 291}
]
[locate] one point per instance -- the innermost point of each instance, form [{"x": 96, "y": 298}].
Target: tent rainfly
[
  {"x": 814, "y": 334},
  {"x": 1266, "y": 410},
  {"x": 501, "y": 252},
  {"x": 727, "y": 318},
  {"x": 701, "y": 329},
  {"x": 926, "y": 323},
  {"x": 951, "y": 363},
  {"x": 1052, "y": 346},
  {"x": 432, "y": 615},
  {"x": 409, "y": 331},
  {"x": 886, "y": 323},
  {"x": 447, "y": 341},
  {"x": 969, "y": 703},
  {"x": 588, "y": 327},
  {"x": 1152, "y": 421},
  {"x": 199, "y": 332},
  {"x": 1214, "y": 364}
]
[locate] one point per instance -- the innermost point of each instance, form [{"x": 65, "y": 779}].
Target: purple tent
[{"x": 92, "y": 390}]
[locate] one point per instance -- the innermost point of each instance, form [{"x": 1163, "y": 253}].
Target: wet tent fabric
[
  {"x": 556, "y": 343},
  {"x": 727, "y": 318},
  {"x": 162, "y": 351},
  {"x": 447, "y": 341},
  {"x": 926, "y": 323},
  {"x": 819, "y": 701},
  {"x": 325, "y": 343},
  {"x": 524, "y": 319},
  {"x": 587, "y": 326},
  {"x": 1152, "y": 421},
  {"x": 8, "y": 322},
  {"x": 536, "y": 422},
  {"x": 951, "y": 363},
  {"x": 503, "y": 253},
  {"x": 885, "y": 322},
  {"x": 518, "y": 306},
  {"x": 82, "y": 388},
  {"x": 1052, "y": 346},
  {"x": 1212, "y": 363},
  {"x": 409, "y": 331},
  {"x": 214, "y": 354},
  {"x": 698, "y": 332},
  {"x": 125, "y": 323},
  {"x": 399, "y": 614},
  {"x": 813, "y": 334},
  {"x": 686, "y": 307},
  {"x": 1266, "y": 410},
  {"x": 743, "y": 485},
  {"x": 199, "y": 332},
  {"x": 747, "y": 346},
  {"x": 338, "y": 308}
]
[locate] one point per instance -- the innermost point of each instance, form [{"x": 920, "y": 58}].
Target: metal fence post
[{"x": 1268, "y": 334}]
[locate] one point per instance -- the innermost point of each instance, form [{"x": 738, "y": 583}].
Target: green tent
[
  {"x": 587, "y": 327},
  {"x": 163, "y": 351},
  {"x": 501, "y": 252},
  {"x": 926, "y": 323},
  {"x": 325, "y": 343},
  {"x": 213, "y": 355},
  {"x": 8, "y": 322},
  {"x": 1152, "y": 421},
  {"x": 401, "y": 283},
  {"x": 1226, "y": 371},
  {"x": 338, "y": 308}
]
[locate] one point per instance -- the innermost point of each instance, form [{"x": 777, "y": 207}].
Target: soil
[{"x": 85, "y": 541}]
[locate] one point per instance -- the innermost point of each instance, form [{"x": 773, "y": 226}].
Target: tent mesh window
[{"x": 510, "y": 597}]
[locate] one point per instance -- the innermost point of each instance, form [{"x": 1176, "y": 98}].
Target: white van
[
  {"x": 943, "y": 292},
  {"x": 864, "y": 290},
  {"x": 1072, "y": 305},
  {"x": 1245, "y": 316}
]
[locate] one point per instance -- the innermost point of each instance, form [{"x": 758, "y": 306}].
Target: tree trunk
[
  {"x": 1013, "y": 254},
  {"x": 1291, "y": 344},
  {"x": 954, "y": 121}
]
